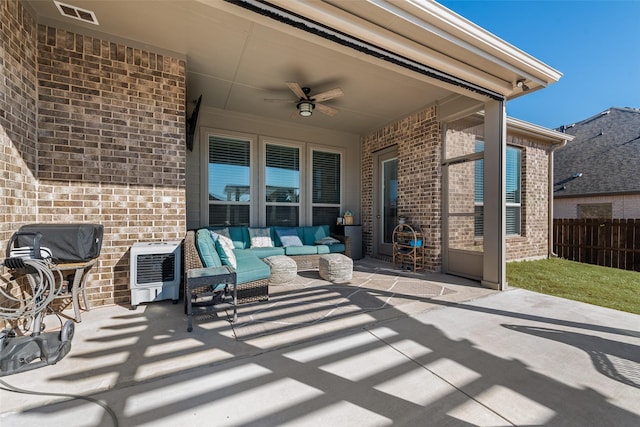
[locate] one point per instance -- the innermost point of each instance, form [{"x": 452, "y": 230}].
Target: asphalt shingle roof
[{"x": 605, "y": 150}]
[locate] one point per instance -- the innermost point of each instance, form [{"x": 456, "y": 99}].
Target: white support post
[{"x": 494, "y": 263}]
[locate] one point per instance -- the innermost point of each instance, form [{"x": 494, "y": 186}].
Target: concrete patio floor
[{"x": 389, "y": 348}]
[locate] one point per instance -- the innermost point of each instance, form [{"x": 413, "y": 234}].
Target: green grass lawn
[{"x": 603, "y": 286}]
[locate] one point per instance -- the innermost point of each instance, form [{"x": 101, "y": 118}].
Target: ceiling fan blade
[
  {"x": 329, "y": 111},
  {"x": 288, "y": 101},
  {"x": 330, "y": 94},
  {"x": 295, "y": 88}
]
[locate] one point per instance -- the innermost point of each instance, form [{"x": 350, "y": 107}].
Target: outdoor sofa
[{"x": 204, "y": 248}]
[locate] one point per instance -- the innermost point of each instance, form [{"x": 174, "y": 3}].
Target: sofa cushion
[
  {"x": 207, "y": 249},
  {"x": 323, "y": 249},
  {"x": 264, "y": 252},
  {"x": 250, "y": 267},
  {"x": 260, "y": 237},
  {"x": 312, "y": 233},
  {"x": 224, "y": 245},
  {"x": 289, "y": 236},
  {"x": 301, "y": 250},
  {"x": 337, "y": 248}
]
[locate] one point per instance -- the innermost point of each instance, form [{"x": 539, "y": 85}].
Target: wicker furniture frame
[{"x": 258, "y": 290}]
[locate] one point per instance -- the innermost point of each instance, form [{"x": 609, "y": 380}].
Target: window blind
[
  {"x": 282, "y": 174},
  {"x": 512, "y": 186},
  {"x": 229, "y": 181},
  {"x": 326, "y": 177}
]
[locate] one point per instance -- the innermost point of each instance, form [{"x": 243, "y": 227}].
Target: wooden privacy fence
[{"x": 610, "y": 243}]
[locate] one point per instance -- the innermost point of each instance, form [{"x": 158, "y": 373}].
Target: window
[
  {"x": 259, "y": 181},
  {"x": 229, "y": 181},
  {"x": 282, "y": 185},
  {"x": 513, "y": 191},
  {"x": 325, "y": 185}
]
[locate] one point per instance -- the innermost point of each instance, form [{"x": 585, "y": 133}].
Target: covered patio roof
[{"x": 390, "y": 58}]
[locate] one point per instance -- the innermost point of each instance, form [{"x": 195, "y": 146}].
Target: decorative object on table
[{"x": 348, "y": 218}]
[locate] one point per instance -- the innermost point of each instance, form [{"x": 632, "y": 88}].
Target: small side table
[
  {"x": 201, "y": 284},
  {"x": 80, "y": 272}
]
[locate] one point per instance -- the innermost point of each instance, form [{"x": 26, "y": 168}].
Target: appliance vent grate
[
  {"x": 76, "y": 13},
  {"x": 154, "y": 268}
]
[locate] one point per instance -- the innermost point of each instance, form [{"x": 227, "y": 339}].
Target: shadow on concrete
[{"x": 393, "y": 370}]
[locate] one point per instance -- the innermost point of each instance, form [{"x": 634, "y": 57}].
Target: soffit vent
[{"x": 76, "y": 13}]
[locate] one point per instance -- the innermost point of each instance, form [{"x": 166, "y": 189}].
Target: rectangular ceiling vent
[{"x": 76, "y": 13}]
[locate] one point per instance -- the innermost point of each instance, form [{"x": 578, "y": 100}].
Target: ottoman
[
  {"x": 283, "y": 269},
  {"x": 336, "y": 267}
]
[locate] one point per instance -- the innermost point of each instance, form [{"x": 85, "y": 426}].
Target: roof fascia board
[
  {"x": 540, "y": 132},
  {"x": 492, "y": 47},
  {"x": 330, "y": 17}
]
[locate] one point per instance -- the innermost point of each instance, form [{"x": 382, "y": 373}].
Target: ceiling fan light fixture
[{"x": 305, "y": 108}]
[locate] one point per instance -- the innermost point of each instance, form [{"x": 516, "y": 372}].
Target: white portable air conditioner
[{"x": 155, "y": 272}]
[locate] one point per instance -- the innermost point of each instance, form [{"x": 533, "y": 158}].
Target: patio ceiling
[{"x": 236, "y": 58}]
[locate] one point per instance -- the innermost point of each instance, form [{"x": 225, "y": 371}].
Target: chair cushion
[
  {"x": 207, "y": 249},
  {"x": 250, "y": 267}
]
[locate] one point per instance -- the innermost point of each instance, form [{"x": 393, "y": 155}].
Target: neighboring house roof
[{"x": 605, "y": 150}]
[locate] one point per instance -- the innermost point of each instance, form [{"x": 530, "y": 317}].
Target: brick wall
[
  {"x": 18, "y": 185},
  {"x": 110, "y": 141},
  {"x": 111, "y": 146},
  {"x": 417, "y": 138}
]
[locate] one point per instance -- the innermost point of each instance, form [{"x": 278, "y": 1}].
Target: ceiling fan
[{"x": 306, "y": 103}]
